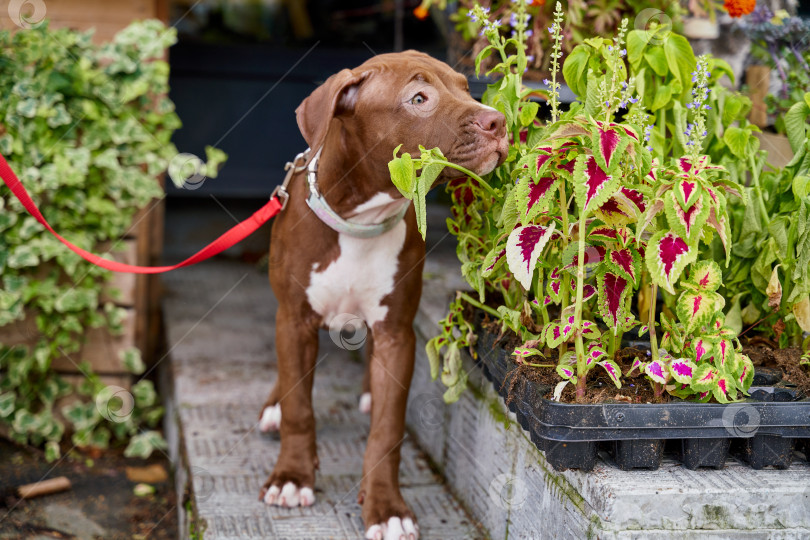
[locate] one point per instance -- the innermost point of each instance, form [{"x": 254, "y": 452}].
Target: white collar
[{"x": 325, "y": 213}]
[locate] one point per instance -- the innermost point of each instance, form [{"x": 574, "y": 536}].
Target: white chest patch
[{"x": 363, "y": 274}]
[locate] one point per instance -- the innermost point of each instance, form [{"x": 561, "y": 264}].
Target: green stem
[
  {"x": 661, "y": 125},
  {"x": 580, "y": 346},
  {"x": 469, "y": 173},
  {"x": 760, "y": 197},
  {"x": 563, "y": 282},
  {"x": 472, "y": 237},
  {"x": 651, "y": 323},
  {"x": 473, "y": 302}
]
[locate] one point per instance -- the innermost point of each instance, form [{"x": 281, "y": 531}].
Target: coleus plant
[
  {"x": 580, "y": 216},
  {"x": 699, "y": 354}
]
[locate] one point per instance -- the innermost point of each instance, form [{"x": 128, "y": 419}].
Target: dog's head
[{"x": 406, "y": 98}]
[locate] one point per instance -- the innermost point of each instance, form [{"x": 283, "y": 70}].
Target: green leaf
[
  {"x": 76, "y": 299},
  {"x": 452, "y": 394},
  {"x": 528, "y": 112},
  {"x": 144, "y": 392},
  {"x": 663, "y": 95},
  {"x": 733, "y": 106},
  {"x": 143, "y": 444},
  {"x": 452, "y": 365},
  {"x": 734, "y": 318},
  {"x": 131, "y": 358},
  {"x": 737, "y": 140},
  {"x": 52, "y": 451},
  {"x": 214, "y": 159},
  {"x": 680, "y": 59},
  {"x": 574, "y": 69},
  {"x": 22, "y": 256},
  {"x": 6, "y": 404},
  {"x": 801, "y": 186},
  {"x": 432, "y": 351},
  {"x": 796, "y": 125},
  {"x": 403, "y": 173},
  {"x": 657, "y": 60},
  {"x": 636, "y": 43}
]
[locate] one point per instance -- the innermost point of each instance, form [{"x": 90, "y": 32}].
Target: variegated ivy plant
[{"x": 581, "y": 217}]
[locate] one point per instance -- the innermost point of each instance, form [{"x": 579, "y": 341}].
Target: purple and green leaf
[
  {"x": 687, "y": 222},
  {"x": 626, "y": 263},
  {"x": 705, "y": 276},
  {"x": 523, "y": 248},
  {"x": 592, "y": 185},
  {"x": 705, "y": 378},
  {"x": 492, "y": 261},
  {"x": 657, "y": 371},
  {"x": 682, "y": 370},
  {"x": 696, "y": 309},
  {"x": 532, "y": 197},
  {"x": 667, "y": 255},
  {"x": 613, "y": 371},
  {"x": 613, "y": 291}
]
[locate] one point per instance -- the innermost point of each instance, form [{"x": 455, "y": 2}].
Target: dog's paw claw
[
  {"x": 271, "y": 419},
  {"x": 395, "y": 529},
  {"x": 365, "y": 403},
  {"x": 289, "y": 496}
]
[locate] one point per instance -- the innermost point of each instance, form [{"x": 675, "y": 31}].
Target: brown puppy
[{"x": 321, "y": 276}]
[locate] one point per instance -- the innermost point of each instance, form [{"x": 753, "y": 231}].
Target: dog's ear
[{"x": 336, "y": 96}]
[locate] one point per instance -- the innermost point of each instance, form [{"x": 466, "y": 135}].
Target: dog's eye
[{"x": 418, "y": 99}]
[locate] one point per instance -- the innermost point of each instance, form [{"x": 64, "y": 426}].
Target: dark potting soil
[
  {"x": 600, "y": 388},
  {"x": 762, "y": 354}
]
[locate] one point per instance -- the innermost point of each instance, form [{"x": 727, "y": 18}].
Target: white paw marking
[
  {"x": 289, "y": 496},
  {"x": 271, "y": 419},
  {"x": 394, "y": 529},
  {"x": 365, "y": 403}
]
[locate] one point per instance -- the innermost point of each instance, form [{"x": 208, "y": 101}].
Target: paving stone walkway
[{"x": 220, "y": 332}]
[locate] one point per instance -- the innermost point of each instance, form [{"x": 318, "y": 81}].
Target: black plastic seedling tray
[{"x": 762, "y": 430}]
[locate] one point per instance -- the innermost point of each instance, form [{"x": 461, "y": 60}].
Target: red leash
[{"x": 229, "y": 239}]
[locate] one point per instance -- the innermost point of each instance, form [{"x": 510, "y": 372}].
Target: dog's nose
[{"x": 490, "y": 122}]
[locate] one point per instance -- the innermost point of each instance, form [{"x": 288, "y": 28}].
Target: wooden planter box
[{"x": 139, "y": 294}]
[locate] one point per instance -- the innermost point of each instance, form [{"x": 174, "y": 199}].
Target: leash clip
[
  {"x": 297, "y": 165},
  {"x": 282, "y": 196}
]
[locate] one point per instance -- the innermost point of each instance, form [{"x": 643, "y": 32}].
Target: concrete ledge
[{"x": 505, "y": 482}]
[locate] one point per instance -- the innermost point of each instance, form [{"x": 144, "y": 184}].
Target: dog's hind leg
[
  {"x": 365, "y": 398},
  {"x": 293, "y": 479},
  {"x": 270, "y": 415}
]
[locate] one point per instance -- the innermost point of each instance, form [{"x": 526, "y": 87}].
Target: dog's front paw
[
  {"x": 394, "y": 529},
  {"x": 270, "y": 419},
  {"x": 288, "y": 496}
]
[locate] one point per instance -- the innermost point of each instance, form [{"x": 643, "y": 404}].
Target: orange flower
[
  {"x": 421, "y": 12},
  {"x": 738, "y": 8},
  {"x": 538, "y": 3}
]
